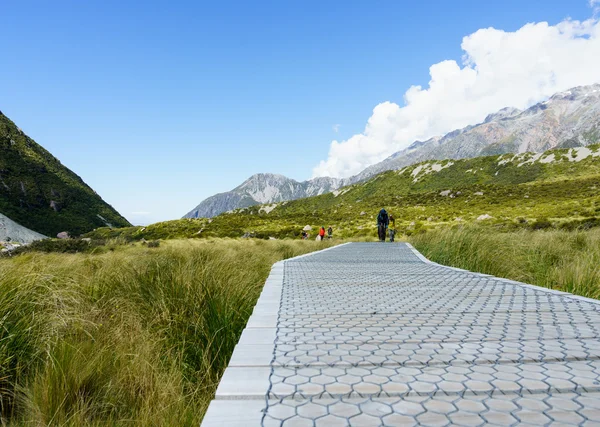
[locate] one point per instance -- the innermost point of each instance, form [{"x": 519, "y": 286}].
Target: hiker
[
  {"x": 304, "y": 235},
  {"x": 329, "y": 232},
  {"x": 382, "y": 224},
  {"x": 322, "y": 233},
  {"x": 392, "y": 227}
]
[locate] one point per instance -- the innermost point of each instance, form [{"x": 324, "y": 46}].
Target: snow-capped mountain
[
  {"x": 567, "y": 119},
  {"x": 263, "y": 188}
]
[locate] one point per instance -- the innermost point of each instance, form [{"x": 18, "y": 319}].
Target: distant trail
[{"x": 369, "y": 334}]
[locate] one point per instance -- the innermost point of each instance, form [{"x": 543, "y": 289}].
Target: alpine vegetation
[{"x": 557, "y": 259}]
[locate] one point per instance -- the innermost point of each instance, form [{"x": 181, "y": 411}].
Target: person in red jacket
[{"x": 322, "y": 233}]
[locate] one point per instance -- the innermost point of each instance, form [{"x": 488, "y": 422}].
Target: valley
[{"x": 556, "y": 189}]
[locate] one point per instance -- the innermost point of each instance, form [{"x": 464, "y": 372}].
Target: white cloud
[
  {"x": 336, "y": 127},
  {"x": 498, "y": 69}
]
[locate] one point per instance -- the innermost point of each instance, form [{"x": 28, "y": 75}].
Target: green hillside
[
  {"x": 38, "y": 192},
  {"x": 559, "y": 188}
]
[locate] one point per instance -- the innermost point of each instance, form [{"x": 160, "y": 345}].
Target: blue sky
[{"x": 159, "y": 104}]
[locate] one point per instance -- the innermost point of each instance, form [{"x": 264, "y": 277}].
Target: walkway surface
[{"x": 369, "y": 334}]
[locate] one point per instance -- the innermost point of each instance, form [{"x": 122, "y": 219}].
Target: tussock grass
[
  {"x": 134, "y": 335},
  {"x": 562, "y": 260}
]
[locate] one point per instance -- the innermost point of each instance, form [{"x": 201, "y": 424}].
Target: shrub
[
  {"x": 154, "y": 244},
  {"x": 580, "y": 224},
  {"x": 541, "y": 224}
]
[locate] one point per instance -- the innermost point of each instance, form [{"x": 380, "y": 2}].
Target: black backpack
[{"x": 382, "y": 218}]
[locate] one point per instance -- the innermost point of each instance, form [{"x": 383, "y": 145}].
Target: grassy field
[
  {"x": 563, "y": 260},
  {"x": 128, "y": 334}
]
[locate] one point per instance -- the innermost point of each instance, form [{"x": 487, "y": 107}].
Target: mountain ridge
[
  {"x": 510, "y": 131},
  {"x": 38, "y": 192},
  {"x": 566, "y": 119},
  {"x": 262, "y": 188}
]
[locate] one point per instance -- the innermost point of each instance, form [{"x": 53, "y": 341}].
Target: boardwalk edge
[
  {"x": 240, "y": 396},
  {"x": 500, "y": 279}
]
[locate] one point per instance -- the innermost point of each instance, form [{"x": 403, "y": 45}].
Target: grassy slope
[
  {"x": 30, "y": 178},
  {"x": 130, "y": 336},
  {"x": 564, "y": 191}
]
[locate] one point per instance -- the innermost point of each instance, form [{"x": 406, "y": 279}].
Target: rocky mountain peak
[
  {"x": 262, "y": 188},
  {"x": 567, "y": 119},
  {"x": 504, "y": 113},
  {"x": 264, "y": 179},
  {"x": 576, "y": 93}
]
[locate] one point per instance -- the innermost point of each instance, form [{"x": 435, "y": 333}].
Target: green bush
[
  {"x": 580, "y": 224},
  {"x": 541, "y": 224}
]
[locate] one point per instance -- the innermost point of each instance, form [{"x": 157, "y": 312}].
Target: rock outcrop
[{"x": 12, "y": 232}]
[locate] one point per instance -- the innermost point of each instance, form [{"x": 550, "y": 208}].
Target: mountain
[
  {"x": 557, "y": 188},
  {"x": 567, "y": 119},
  {"x": 39, "y": 193},
  {"x": 262, "y": 188}
]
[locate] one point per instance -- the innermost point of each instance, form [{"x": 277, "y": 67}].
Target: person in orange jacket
[{"x": 322, "y": 233}]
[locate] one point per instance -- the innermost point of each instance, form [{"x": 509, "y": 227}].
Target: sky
[{"x": 160, "y": 104}]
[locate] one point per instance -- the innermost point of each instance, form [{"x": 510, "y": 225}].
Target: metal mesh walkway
[{"x": 371, "y": 334}]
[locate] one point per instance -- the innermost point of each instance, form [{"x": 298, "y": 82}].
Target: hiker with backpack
[
  {"x": 322, "y": 233},
  {"x": 329, "y": 232},
  {"x": 392, "y": 227},
  {"x": 382, "y": 224}
]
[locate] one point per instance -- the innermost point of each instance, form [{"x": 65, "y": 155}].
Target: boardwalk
[{"x": 369, "y": 334}]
